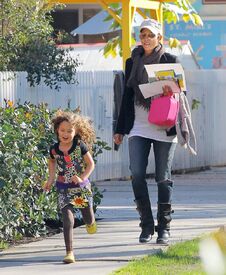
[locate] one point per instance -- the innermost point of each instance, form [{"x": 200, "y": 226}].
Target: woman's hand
[
  {"x": 167, "y": 90},
  {"x": 118, "y": 138},
  {"x": 76, "y": 179}
]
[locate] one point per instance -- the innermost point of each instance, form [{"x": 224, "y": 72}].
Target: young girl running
[{"x": 71, "y": 158}]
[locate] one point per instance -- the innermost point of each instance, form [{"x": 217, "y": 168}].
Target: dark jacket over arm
[{"x": 127, "y": 112}]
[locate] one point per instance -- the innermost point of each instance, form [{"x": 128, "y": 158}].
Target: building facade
[
  {"x": 209, "y": 41},
  {"x": 72, "y": 16}
]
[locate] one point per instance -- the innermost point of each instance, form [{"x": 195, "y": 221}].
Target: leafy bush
[
  {"x": 27, "y": 44},
  {"x": 25, "y": 136}
]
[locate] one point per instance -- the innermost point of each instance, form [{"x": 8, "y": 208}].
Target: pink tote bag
[{"x": 164, "y": 111}]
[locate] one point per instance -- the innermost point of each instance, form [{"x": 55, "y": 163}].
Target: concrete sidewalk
[{"x": 199, "y": 203}]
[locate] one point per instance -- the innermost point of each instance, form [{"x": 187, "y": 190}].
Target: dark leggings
[{"x": 68, "y": 223}]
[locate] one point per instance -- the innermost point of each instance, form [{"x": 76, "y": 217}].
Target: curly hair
[{"x": 83, "y": 125}]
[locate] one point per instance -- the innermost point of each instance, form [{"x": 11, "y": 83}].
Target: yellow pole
[
  {"x": 128, "y": 9},
  {"x": 142, "y": 13},
  {"x": 158, "y": 15},
  {"x": 126, "y": 30},
  {"x": 110, "y": 11}
]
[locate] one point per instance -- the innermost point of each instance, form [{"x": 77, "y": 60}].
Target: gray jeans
[{"x": 139, "y": 149}]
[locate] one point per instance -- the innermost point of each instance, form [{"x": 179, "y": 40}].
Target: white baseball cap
[{"x": 152, "y": 25}]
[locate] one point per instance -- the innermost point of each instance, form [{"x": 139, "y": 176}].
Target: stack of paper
[{"x": 160, "y": 75}]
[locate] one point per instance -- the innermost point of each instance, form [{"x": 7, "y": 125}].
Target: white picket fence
[{"x": 94, "y": 95}]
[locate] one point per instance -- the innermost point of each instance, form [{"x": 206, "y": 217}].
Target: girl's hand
[
  {"x": 76, "y": 179},
  {"x": 47, "y": 185}
]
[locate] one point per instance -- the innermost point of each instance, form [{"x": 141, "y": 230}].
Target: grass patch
[
  {"x": 182, "y": 258},
  {"x": 3, "y": 245}
]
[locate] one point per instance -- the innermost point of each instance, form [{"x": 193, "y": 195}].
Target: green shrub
[
  {"x": 25, "y": 136},
  {"x": 27, "y": 44}
]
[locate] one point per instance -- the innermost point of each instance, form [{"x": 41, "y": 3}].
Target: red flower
[{"x": 67, "y": 158}]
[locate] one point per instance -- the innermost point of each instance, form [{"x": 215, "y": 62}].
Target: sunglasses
[{"x": 145, "y": 35}]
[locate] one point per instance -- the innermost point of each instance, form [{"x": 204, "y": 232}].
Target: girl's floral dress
[{"x": 68, "y": 165}]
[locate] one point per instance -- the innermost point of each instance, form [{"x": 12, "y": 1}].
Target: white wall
[{"x": 94, "y": 95}]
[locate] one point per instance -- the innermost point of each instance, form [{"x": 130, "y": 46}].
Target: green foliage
[
  {"x": 171, "y": 14},
  {"x": 3, "y": 245},
  {"x": 98, "y": 148},
  {"x": 97, "y": 196},
  {"x": 181, "y": 258},
  {"x": 114, "y": 46},
  {"x": 25, "y": 137},
  {"x": 195, "y": 104},
  {"x": 63, "y": 37},
  {"x": 26, "y": 43},
  {"x": 24, "y": 140},
  {"x": 174, "y": 43}
]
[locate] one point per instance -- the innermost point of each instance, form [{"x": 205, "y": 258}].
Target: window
[{"x": 64, "y": 21}]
